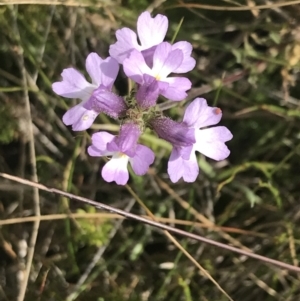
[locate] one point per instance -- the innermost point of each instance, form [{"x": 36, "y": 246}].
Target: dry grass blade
[
  {"x": 235, "y": 8},
  {"x": 71, "y": 3},
  {"x": 179, "y": 246},
  {"x": 36, "y": 199},
  {"x": 103, "y": 216},
  {"x": 152, "y": 223}
]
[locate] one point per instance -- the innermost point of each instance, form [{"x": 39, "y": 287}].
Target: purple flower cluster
[{"x": 149, "y": 64}]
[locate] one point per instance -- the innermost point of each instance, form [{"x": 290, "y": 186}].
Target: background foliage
[{"x": 247, "y": 64}]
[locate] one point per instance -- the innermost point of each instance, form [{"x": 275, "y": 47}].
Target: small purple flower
[
  {"x": 151, "y": 32},
  {"x": 165, "y": 61},
  {"x": 122, "y": 148},
  {"x": 96, "y": 96},
  {"x": 209, "y": 141}
]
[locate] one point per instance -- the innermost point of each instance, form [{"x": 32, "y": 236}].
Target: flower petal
[
  {"x": 126, "y": 42},
  {"x": 73, "y": 85},
  {"x": 188, "y": 63},
  {"x": 99, "y": 144},
  {"x": 210, "y": 142},
  {"x": 198, "y": 114},
  {"x": 92, "y": 66},
  {"x": 165, "y": 60},
  {"x": 151, "y": 31},
  {"x": 126, "y": 142},
  {"x": 143, "y": 158},
  {"x": 102, "y": 71},
  {"x": 178, "y": 167},
  {"x": 148, "y": 55},
  {"x": 79, "y": 117},
  {"x": 135, "y": 67},
  {"x": 177, "y": 88},
  {"x": 185, "y": 152},
  {"x": 116, "y": 170}
]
